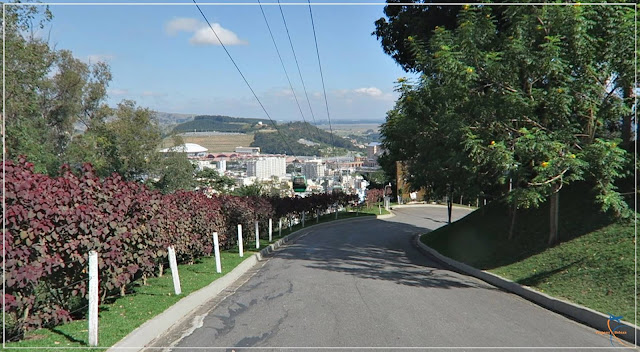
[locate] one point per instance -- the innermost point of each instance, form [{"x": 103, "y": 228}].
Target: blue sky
[{"x": 165, "y": 58}]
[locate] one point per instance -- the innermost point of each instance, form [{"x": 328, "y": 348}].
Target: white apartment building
[
  {"x": 265, "y": 168},
  {"x": 222, "y": 166},
  {"x": 313, "y": 169}
]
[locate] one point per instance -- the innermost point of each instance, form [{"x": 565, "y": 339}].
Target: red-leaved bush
[{"x": 53, "y": 223}]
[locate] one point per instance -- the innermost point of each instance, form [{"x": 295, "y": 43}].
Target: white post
[
  {"x": 257, "y": 235},
  {"x": 240, "y": 249},
  {"x": 174, "y": 270},
  {"x": 216, "y": 249},
  {"x": 93, "y": 298},
  {"x": 303, "y": 218},
  {"x": 379, "y": 209},
  {"x": 270, "y": 230},
  {"x": 280, "y": 227}
]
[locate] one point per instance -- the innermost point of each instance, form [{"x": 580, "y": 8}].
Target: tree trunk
[
  {"x": 449, "y": 206},
  {"x": 123, "y": 291},
  {"x": 627, "y": 126},
  {"x": 514, "y": 210},
  {"x": 554, "y": 203},
  {"x": 161, "y": 269}
]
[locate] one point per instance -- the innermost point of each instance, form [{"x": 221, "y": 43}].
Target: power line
[
  {"x": 295, "y": 57},
  {"x": 284, "y": 68},
  {"x": 244, "y": 78},
  {"x": 326, "y": 103}
]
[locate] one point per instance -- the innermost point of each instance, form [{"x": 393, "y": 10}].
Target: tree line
[{"x": 56, "y": 112}]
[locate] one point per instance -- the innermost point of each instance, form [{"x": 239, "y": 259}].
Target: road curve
[{"x": 363, "y": 284}]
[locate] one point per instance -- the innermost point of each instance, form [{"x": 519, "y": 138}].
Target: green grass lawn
[
  {"x": 592, "y": 266},
  {"x": 373, "y": 210},
  {"x": 125, "y": 314}
]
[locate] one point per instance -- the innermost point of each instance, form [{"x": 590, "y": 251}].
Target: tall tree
[
  {"x": 28, "y": 59},
  {"x": 131, "y": 141},
  {"x": 405, "y": 21},
  {"x": 524, "y": 103},
  {"x": 211, "y": 178},
  {"x": 48, "y": 92}
]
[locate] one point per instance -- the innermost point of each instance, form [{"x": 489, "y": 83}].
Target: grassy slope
[
  {"x": 592, "y": 266},
  {"x": 217, "y": 143},
  {"x": 125, "y": 314}
]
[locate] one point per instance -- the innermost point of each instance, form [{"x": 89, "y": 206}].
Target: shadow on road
[{"x": 377, "y": 250}]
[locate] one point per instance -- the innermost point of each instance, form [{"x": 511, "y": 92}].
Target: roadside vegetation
[
  {"x": 119, "y": 316},
  {"x": 593, "y": 265},
  {"x": 530, "y": 108}
]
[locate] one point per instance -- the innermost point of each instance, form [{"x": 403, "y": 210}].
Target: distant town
[{"x": 249, "y": 166}]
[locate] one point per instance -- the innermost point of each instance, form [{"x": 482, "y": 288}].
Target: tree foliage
[
  {"x": 534, "y": 100},
  {"x": 56, "y": 109},
  {"x": 211, "y": 178},
  {"x": 274, "y": 142}
]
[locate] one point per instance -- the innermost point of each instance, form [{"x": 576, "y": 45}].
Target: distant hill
[
  {"x": 168, "y": 118},
  {"x": 315, "y": 140},
  {"x": 349, "y": 121},
  {"x": 274, "y": 143},
  {"x": 220, "y": 123}
]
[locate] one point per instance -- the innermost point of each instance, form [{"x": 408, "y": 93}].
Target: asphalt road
[{"x": 363, "y": 284}]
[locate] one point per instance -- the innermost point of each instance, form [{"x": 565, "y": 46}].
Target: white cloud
[
  {"x": 285, "y": 92},
  {"x": 202, "y": 34},
  {"x": 371, "y": 91},
  {"x": 118, "y": 91},
  {"x": 182, "y": 24},
  {"x": 94, "y": 58}
]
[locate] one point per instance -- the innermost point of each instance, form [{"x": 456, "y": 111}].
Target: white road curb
[{"x": 574, "y": 311}]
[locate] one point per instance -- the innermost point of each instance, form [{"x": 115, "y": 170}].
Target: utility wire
[
  {"x": 326, "y": 103},
  {"x": 304, "y": 87},
  {"x": 284, "y": 68},
  {"x": 244, "y": 78}
]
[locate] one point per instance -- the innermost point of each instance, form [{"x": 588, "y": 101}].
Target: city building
[
  {"x": 222, "y": 166},
  {"x": 248, "y": 150},
  {"x": 266, "y": 168},
  {"x": 373, "y": 150},
  {"x": 192, "y": 150},
  {"x": 403, "y": 188},
  {"x": 313, "y": 169},
  {"x": 204, "y": 164}
]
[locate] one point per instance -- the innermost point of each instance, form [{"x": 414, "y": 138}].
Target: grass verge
[
  {"x": 373, "y": 210},
  {"x": 125, "y": 314},
  {"x": 592, "y": 266}
]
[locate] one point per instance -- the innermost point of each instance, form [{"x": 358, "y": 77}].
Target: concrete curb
[
  {"x": 420, "y": 205},
  {"x": 149, "y": 331},
  {"x": 573, "y": 311}
]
